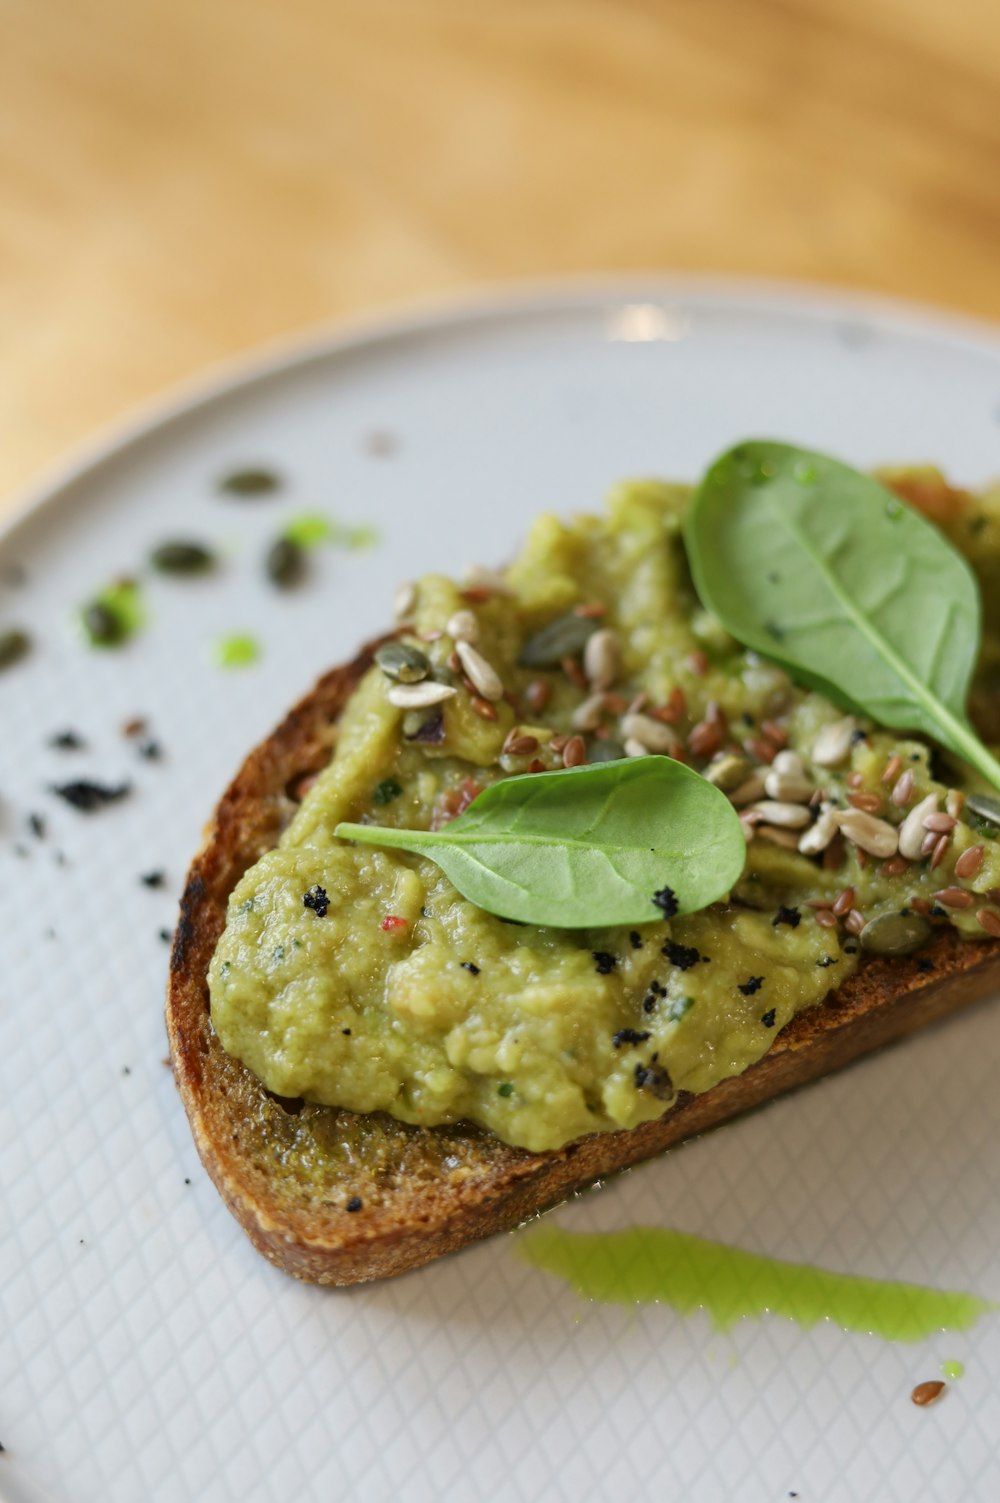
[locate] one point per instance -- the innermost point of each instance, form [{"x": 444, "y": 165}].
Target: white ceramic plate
[{"x": 147, "y": 1351}]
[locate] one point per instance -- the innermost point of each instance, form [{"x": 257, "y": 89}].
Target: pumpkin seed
[
  {"x": 562, "y": 638},
  {"x": 181, "y": 557},
  {"x": 895, "y": 934},
  {"x": 101, "y": 624},
  {"x": 912, "y": 831},
  {"x": 405, "y": 664},
  {"x": 13, "y": 646},
  {"x": 285, "y": 563},
  {"x": 984, "y": 807},
  {"x": 606, "y": 751}
]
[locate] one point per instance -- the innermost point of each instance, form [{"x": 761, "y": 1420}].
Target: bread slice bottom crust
[{"x": 288, "y": 1171}]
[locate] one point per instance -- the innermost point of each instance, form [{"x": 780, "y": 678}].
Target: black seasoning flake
[
  {"x": 635, "y": 939},
  {"x": 88, "y": 797},
  {"x": 151, "y": 751},
  {"x": 430, "y": 732},
  {"x": 346, "y": 1032},
  {"x": 681, "y": 956},
  {"x": 923, "y": 964},
  {"x": 386, "y": 791},
  {"x": 36, "y": 824},
  {"x": 767, "y": 1018},
  {"x": 67, "y": 741},
  {"x": 666, "y": 902},
  {"x": 166, "y": 936},
  {"x": 355, "y": 1203},
  {"x": 790, "y": 916},
  {"x": 604, "y": 962},
  {"x": 316, "y": 899},
  {"x": 471, "y": 967},
  {"x": 654, "y": 1078},
  {"x": 858, "y": 735},
  {"x": 936, "y": 911},
  {"x": 649, "y": 1004},
  {"x": 628, "y": 1036},
  {"x": 751, "y": 985},
  {"x": 153, "y": 879},
  {"x": 827, "y": 960}
]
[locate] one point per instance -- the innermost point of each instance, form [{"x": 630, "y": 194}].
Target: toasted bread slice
[{"x": 337, "y": 1198}]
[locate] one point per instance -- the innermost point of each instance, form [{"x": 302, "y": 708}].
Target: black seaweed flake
[
  {"x": 628, "y": 1036},
  {"x": 751, "y": 985},
  {"x": 858, "y": 735},
  {"x": 505, "y": 1088},
  {"x": 386, "y": 791},
  {"x": 923, "y": 964},
  {"x": 790, "y": 916},
  {"x": 827, "y": 960},
  {"x": 604, "y": 962},
  {"x": 36, "y": 824},
  {"x": 654, "y": 1078},
  {"x": 666, "y": 902},
  {"x": 316, "y": 899},
  {"x": 635, "y": 939},
  {"x": 151, "y": 751},
  {"x": 355, "y": 1203},
  {"x": 471, "y": 967},
  {"x": 767, "y": 1018},
  {"x": 67, "y": 741},
  {"x": 153, "y": 879},
  {"x": 681, "y": 956},
  {"x": 88, "y": 797},
  {"x": 166, "y": 936},
  {"x": 649, "y": 1003},
  {"x": 431, "y": 731}
]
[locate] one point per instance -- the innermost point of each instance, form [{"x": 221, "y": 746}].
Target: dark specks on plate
[{"x": 250, "y": 480}]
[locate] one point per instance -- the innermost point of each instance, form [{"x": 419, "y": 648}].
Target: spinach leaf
[
  {"x": 824, "y": 570},
  {"x": 586, "y": 847}
]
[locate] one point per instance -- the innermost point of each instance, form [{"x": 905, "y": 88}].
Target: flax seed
[
  {"x": 854, "y": 780},
  {"x": 558, "y": 743},
  {"x": 483, "y": 708},
  {"x": 989, "y": 921},
  {"x": 574, "y": 673},
  {"x": 454, "y": 662},
  {"x": 519, "y": 745},
  {"x": 928, "y": 843},
  {"x": 892, "y": 767},
  {"x": 970, "y": 861},
  {"x": 537, "y": 765},
  {"x": 903, "y": 791},
  {"x": 575, "y": 752},
  {"x": 538, "y": 693},
  {"x": 894, "y": 867},
  {"x": 775, "y": 733},
  {"x": 591, "y": 612},
  {"x": 920, "y": 905},
  {"x": 940, "y": 823},
  {"x": 954, "y": 897},
  {"x": 854, "y": 922},
  {"x": 869, "y": 802},
  {"x": 940, "y": 851},
  {"x": 697, "y": 663},
  {"x": 760, "y": 749},
  {"x": 704, "y": 739},
  {"x": 845, "y": 902},
  {"x": 825, "y": 919},
  {"x": 927, "y": 1393},
  {"x": 615, "y": 704}
]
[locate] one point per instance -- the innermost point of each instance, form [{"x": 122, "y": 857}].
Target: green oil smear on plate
[
  {"x": 312, "y": 529},
  {"x": 952, "y": 1369},
  {"x": 649, "y": 1265},
  {"x": 237, "y": 651},
  {"x": 126, "y": 613}
]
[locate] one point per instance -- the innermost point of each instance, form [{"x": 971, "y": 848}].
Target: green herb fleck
[
  {"x": 678, "y": 1008},
  {"x": 237, "y": 651},
  {"x": 251, "y": 480},
  {"x": 386, "y": 791},
  {"x": 113, "y": 616},
  {"x": 506, "y": 1089}
]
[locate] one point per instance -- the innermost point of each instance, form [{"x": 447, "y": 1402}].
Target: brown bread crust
[{"x": 425, "y": 1192}]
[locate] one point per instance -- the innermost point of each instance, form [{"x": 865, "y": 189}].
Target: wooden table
[{"x": 183, "y": 180}]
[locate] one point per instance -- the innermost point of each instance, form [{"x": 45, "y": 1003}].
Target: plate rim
[{"x": 482, "y": 303}]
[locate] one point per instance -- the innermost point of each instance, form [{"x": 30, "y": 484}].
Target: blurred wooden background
[{"x": 181, "y": 180}]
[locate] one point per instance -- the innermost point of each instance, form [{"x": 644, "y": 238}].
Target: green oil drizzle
[
  {"x": 645, "y": 1265},
  {"x": 952, "y": 1369},
  {"x": 237, "y": 651},
  {"x": 312, "y": 529}
]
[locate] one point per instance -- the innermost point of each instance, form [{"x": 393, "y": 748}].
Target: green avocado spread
[{"x": 357, "y": 977}]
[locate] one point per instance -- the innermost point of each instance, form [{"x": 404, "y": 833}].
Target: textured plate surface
[{"x": 148, "y": 1353}]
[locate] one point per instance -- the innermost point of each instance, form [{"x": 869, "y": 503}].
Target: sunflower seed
[
  {"x": 747, "y": 792},
  {"x": 912, "y": 831},
  {"x": 654, "y": 735},
  {"x": 832, "y": 746},
  {"x": 774, "y": 812},
  {"x": 787, "y": 786},
  {"x": 478, "y": 577},
  {"x": 785, "y": 838},
  {"x": 419, "y": 696},
  {"x": 635, "y": 748},
  {"x": 602, "y": 658},
  {"x": 463, "y": 627},
  {"x": 729, "y": 772},
  {"x": 587, "y": 716},
  {"x": 875, "y": 836},
  {"x": 818, "y": 837},
  {"x": 404, "y": 600},
  {"x": 483, "y": 675}
]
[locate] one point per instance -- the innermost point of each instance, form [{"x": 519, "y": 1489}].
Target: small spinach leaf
[
  {"x": 824, "y": 570},
  {"x": 586, "y": 847}
]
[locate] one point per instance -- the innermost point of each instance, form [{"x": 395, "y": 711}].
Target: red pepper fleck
[{"x": 392, "y": 921}]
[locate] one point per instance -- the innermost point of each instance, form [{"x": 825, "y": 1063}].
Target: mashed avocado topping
[{"x": 358, "y": 977}]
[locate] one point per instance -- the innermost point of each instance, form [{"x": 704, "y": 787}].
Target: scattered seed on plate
[
  {"x": 250, "y": 480},
  {"x": 181, "y": 556},
  {"x": 927, "y": 1393},
  {"x": 285, "y": 563}
]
